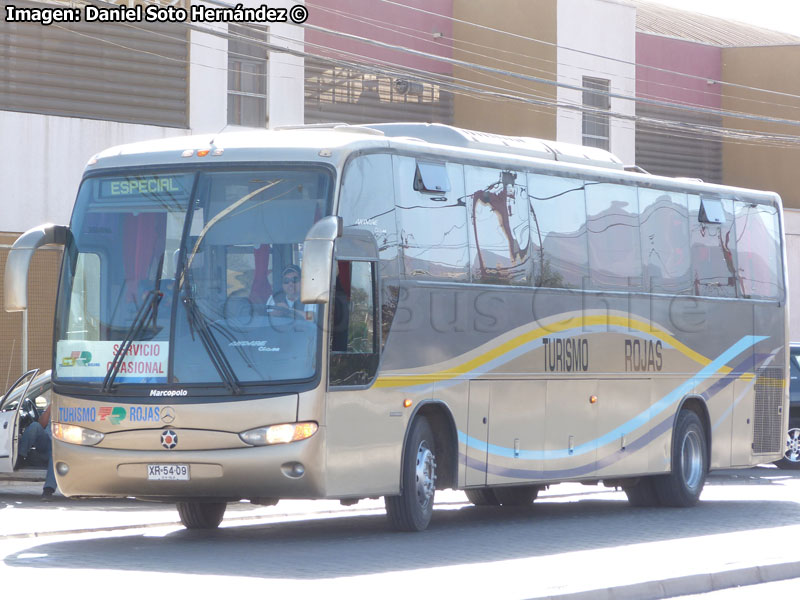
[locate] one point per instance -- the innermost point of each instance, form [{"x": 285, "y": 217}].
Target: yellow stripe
[{"x": 566, "y": 324}]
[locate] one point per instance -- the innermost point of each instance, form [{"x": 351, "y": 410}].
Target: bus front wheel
[
  {"x": 683, "y": 485},
  {"x": 413, "y": 508},
  {"x": 201, "y": 515}
]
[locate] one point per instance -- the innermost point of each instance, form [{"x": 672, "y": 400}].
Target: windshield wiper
[
  {"x": 148, "y": 308},
  {"x": 198, "y": 322}
]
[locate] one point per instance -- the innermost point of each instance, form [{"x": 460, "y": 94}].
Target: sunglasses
[{"x": 291, "y": 279}]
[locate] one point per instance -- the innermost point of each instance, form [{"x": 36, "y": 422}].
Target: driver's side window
[{"x": 354, "y": 342}]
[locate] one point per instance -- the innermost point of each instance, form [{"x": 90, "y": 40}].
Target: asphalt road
[{"x": 575, "y": 541}]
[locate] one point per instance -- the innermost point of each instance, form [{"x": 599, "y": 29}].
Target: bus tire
[
  {"x": 682, "y": 486},
  {"x": 791, "y": 456},
  {"x": 642, "y": 493},
  {"x": 413, "y": 508},
  {"x": 517, "y": 495},
  {"x": 482, "y": 496},
  {"x": 201, "y": 515}
]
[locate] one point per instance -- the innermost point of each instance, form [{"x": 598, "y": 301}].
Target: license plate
[{"x": 168, "y": 472}]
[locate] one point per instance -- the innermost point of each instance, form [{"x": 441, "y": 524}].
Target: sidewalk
[
  {"x": 744, "y": 532},
  {"x": 25, "y": 515}
]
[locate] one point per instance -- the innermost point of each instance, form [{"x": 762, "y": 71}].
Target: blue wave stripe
[
  {"x": 584, "y": 469},
  {"x": 632, "y": 425}
]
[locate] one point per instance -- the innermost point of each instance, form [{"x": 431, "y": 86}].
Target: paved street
[{"x": 574, "y": 539}]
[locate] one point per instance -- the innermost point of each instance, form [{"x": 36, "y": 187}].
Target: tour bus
[{"x": 487, "y": 313}]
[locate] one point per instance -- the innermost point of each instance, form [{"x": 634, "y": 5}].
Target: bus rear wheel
[
  {"x": 682, "y": 487},
  {"x": 201, "y": 515},
  {"x": 642, "y": 493},
  {"x": 413, "y": 508},
  {"x": 482, "y": 497},
  {"x": 518, "y": 495},
  {"x": 791, "y": 457}
]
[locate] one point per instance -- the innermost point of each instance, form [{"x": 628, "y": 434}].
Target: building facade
[{"x": 68, "y": 92}]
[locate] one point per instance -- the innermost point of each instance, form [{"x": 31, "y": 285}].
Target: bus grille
[{"x": 768, "y": 418}]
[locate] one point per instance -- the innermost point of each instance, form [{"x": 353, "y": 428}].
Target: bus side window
[{"x": 354, "y": 342}]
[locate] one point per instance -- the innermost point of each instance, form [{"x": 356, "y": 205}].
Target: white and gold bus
[{"x": 478, "y": 312}]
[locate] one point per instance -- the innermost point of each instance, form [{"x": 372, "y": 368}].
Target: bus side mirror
[
  {"x": 19, "y": 260},
  {"x": 315, "y": 282}
]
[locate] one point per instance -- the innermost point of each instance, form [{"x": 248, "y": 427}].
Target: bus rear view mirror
[
  {"x": 315, "y": 280},
  {"x": 19, "y": 260}
]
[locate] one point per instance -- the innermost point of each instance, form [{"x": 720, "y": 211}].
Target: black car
[{"x": 791, "y": 458}]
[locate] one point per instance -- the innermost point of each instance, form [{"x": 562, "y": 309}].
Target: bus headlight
[
  {"x": 72, "y": 434},
  {"x": 279, "y": 434}
]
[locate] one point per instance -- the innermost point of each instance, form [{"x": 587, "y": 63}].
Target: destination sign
[{"x": 142, "y": 186}]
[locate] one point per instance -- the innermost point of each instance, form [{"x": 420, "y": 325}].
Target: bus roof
[
  {"x": 338, "y": 135},
  {"x": 333, "y": 143},
  {"x": 447, "y": 135}
]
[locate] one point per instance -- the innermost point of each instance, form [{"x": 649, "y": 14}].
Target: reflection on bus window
[
  {"x": 664, "y": 232},
  {"x": 558, "y": 231},
  {"x": 713, "y": 252},
  {"x": 499, "y": 216},
  {"x": 432, "y": 228},
  {"x": 758, "y": 250},
  {"x": 612, "y": 220}
]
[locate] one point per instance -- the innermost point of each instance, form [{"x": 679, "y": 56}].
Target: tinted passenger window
[
  {"x": 713, "y": 252},
  {"x": 558, "y": 231},
  {"x": 758, "y": 249},
  {"x": 499, "y": 214},
  {"x": 432, "y": 227},
  {"x": 612, "y": 221},
  {"x": 664, "y": 231}
]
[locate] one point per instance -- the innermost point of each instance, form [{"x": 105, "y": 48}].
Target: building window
[
  {"x": 595, "y": 124},
  {"x": 247, "y": 77}
]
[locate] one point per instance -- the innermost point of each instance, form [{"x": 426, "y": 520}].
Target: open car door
[{"x": 10, "y": 416}]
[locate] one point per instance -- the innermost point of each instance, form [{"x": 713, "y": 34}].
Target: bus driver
[{"x": 287, "y": 301}]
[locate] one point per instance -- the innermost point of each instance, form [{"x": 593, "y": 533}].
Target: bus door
[
  {"x": 362, "y": 448},
  {"x": 480, "y": 393},
  {"x": 618, "y": 401},
  {"x": 516, "y": 431},
  {"x": 506, "y": 431},
  {"x": 571, "y": 419}
]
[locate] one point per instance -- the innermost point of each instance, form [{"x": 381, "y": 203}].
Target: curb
[{"x": 701, "y": 583}]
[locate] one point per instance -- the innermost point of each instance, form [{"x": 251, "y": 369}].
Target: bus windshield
[{"x": 190, "y": 278}]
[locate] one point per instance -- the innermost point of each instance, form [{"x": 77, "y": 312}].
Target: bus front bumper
[{"x": 293, "y": 470}]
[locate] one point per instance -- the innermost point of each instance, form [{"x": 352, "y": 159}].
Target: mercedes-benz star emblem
[
  {"x": 168, "y": 414},
  {"x": 169, "y": 439}
]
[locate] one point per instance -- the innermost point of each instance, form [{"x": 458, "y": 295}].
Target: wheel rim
[
  {"x": 425, "y": 474},
  {"x": 792, "y": 453},
  {"x": 692, "y": 458}
]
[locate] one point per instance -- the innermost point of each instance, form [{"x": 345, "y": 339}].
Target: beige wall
[
  {"x": 758, "y": 165},
  {"x": 529, "y": 18},
  {"x": 42, "y": 282}
]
